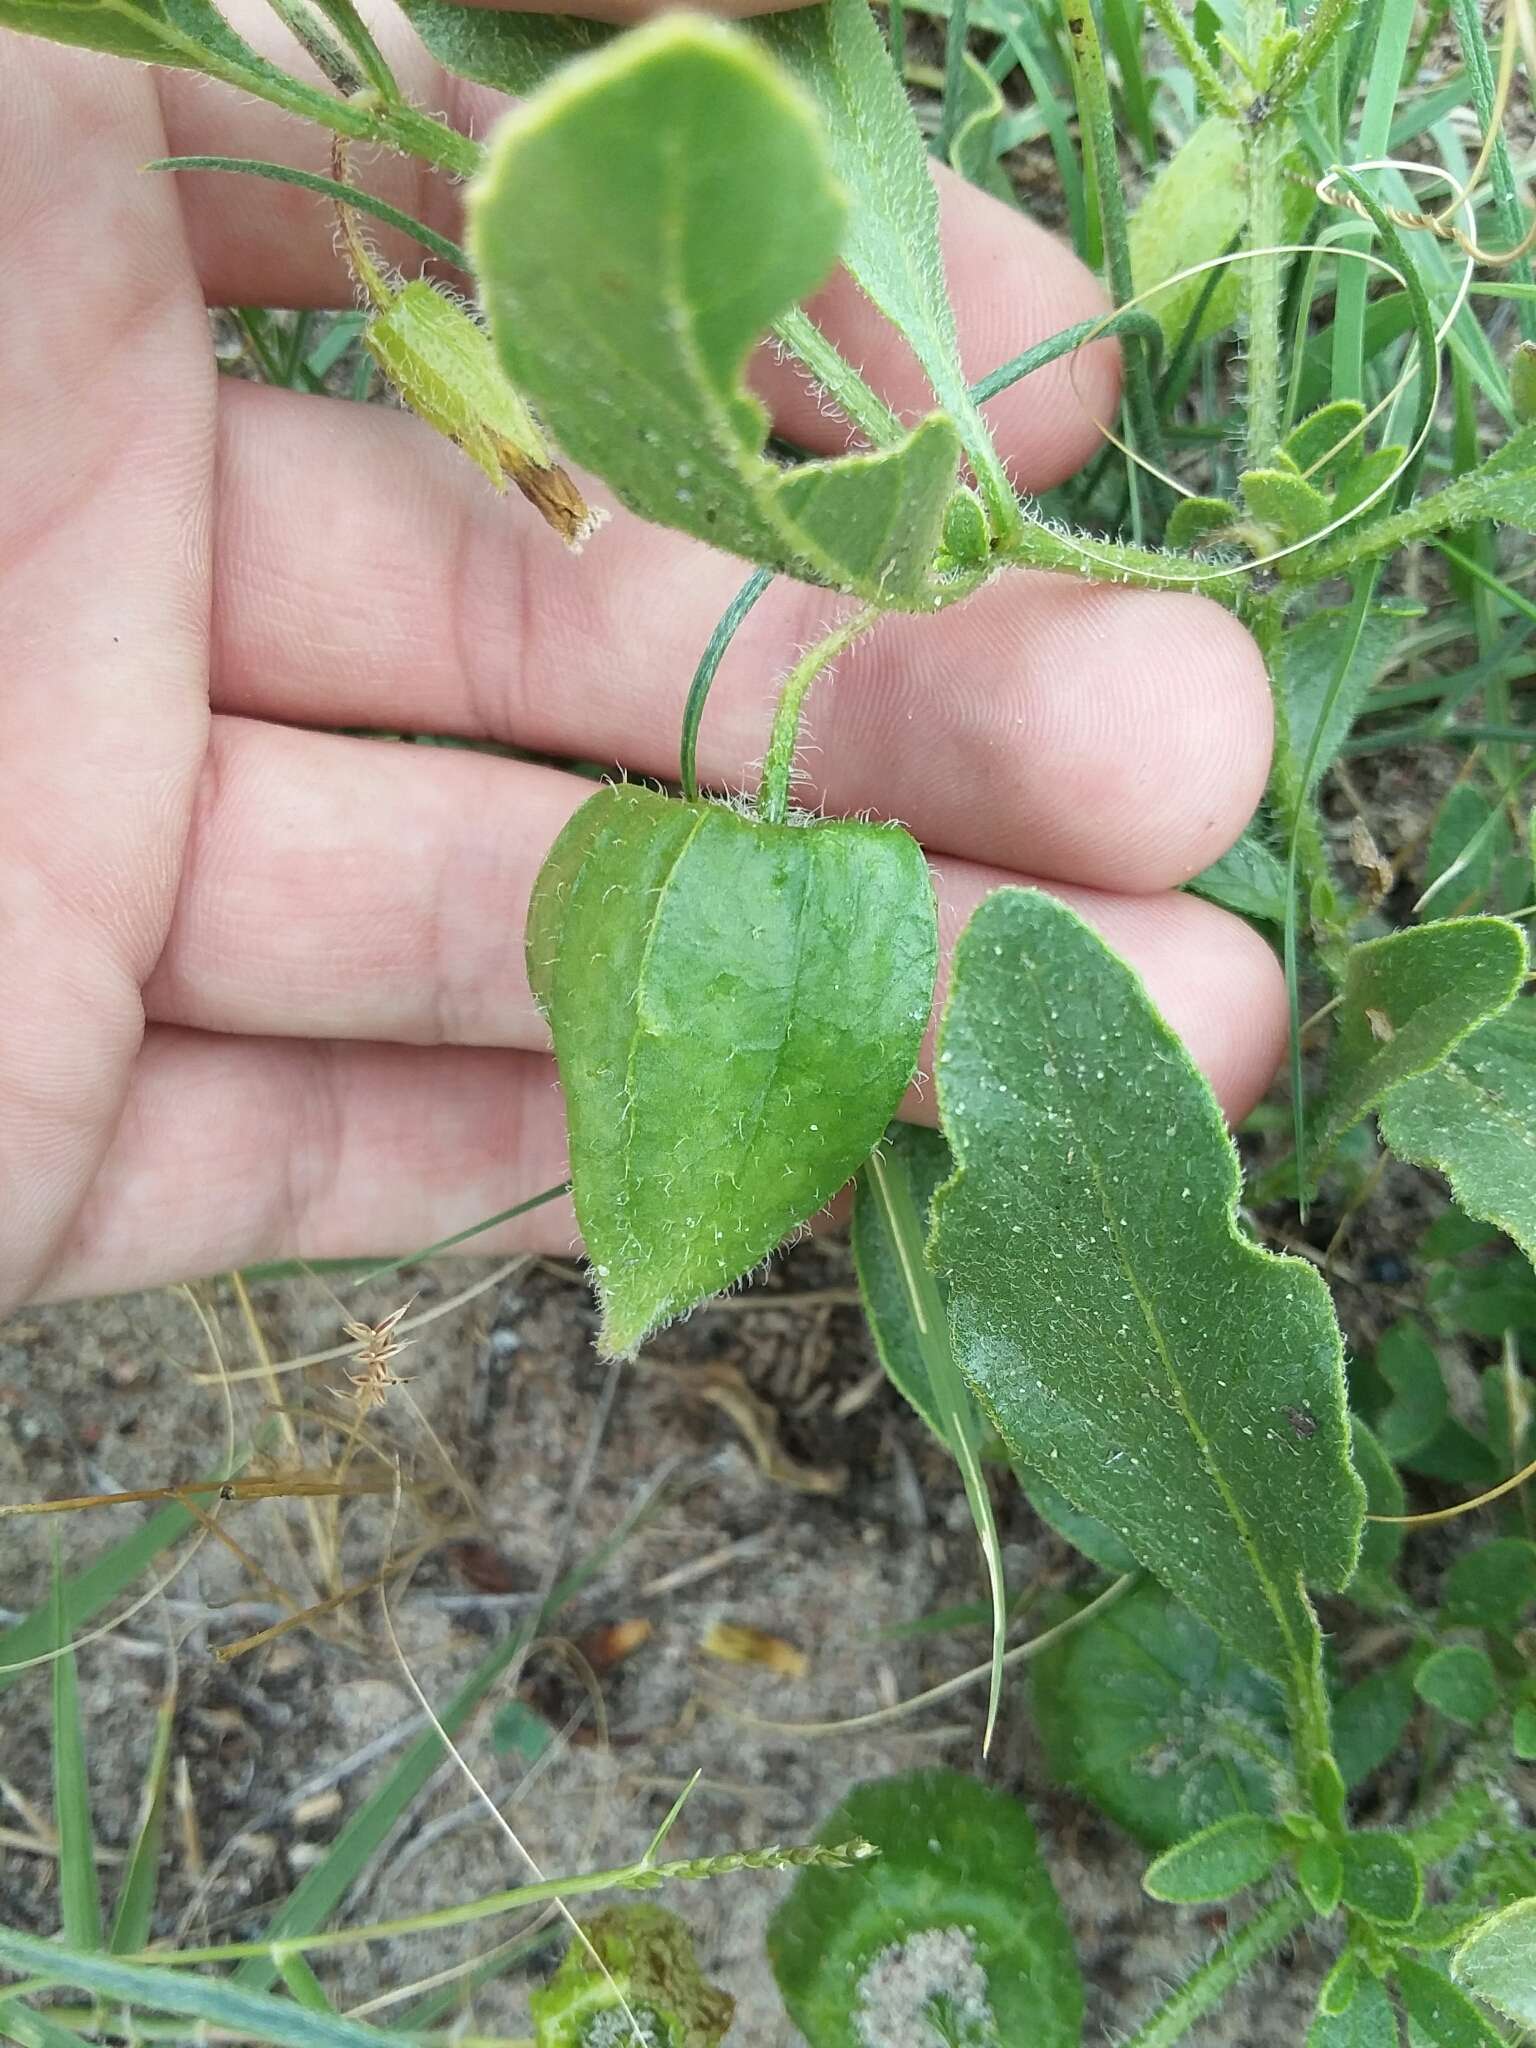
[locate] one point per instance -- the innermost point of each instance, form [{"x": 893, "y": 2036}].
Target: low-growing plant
[{"x": 1065, "y": 1279}]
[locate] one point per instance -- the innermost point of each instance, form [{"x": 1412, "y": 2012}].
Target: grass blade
[
  {"x": 888, "y": 1183},
  {"x": 135, "y": 1909},
  {"x": 79, "y": 1893}
]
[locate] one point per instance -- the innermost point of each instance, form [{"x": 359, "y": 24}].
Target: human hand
[{"x": 265, "y": 984}]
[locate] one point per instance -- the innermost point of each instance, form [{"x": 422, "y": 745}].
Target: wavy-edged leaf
[
  {"x": 638, "y": 227},
  {"x": 1474, "y": 1120},
  {"x": 1149, "y": 1715},
  {"x": 736, "y": 1009},
  {"x": 1408, "y": 999},
  {"x": 1222, "y": 1859},
  {"x": 956, "y": 1914},
  {"x": 1497, "y": 1961},
  {"x": 1162, "y": 1371}
]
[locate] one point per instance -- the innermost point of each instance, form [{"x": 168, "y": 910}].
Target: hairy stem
[
  {"x": 1205, "y": 1989},
  {"x": 865, "y": 408},
  {"x": 779, "y": 762},
  {"x": 1214, "y": 89},
  {"x": 1097, "y": 120},
  {"x": 1264, "y": 152},
  {"x": 1329, "y": 20}
]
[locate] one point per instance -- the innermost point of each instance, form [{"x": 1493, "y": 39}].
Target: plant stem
[
  {"x": 842, "y": 383},
  {"x": 784, "y": 737},
  {"x": 1329, "y": 19},
  {"x": 1039, "y": 546},
  {"x": 1097, "y": 122},
  {"x": 1264, "y": 150},
  {"x": 1206, "y": 1988},
  {"x": 1213, "y": 87}
]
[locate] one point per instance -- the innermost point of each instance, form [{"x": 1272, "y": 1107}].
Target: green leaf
[
  {"x": 838, "y": 55},
  {"x": 1371, "y": 1717},
  {"x": 79, "y": 1890},
  {"x": 1503, "y": 488},
  {"x": 1095, "y": 1539},
  {"x": 736, "y": 1010},
  {"x": 1149, "y": 1715},
  {"x": 515, "y": 52},
  {"x": 1410, "y": 1365},
  {"x": 1290, "y": 506},
  {"x": 1326, "y": 439},
  {"x": 1307, "y": 662},
  {"x": 899, "y": 1213},
  {"x": 1407, "y": 1000},
  {"x": 1320, "y": 1874},
  {"x": 190, "y": 35},
  {"x": 1523, "y": 1732},
  {"x": 1474, "y": 1120},
  {"x": 1196, "y": 522},
  {"x": 1127, "y": 1340},
  {"x": 1382, "y": 1878},
  {"x": 1498, "y": 1961},
  {"x": 1460, "y": 1682},
  {"x": 957, "y": 1915},
  {"x": 133, "y": 1915},
  {"x": 974, "y": 150},
  {"x": 923, "y": 1157},
  {"x": 1492, "y": 1587},
  {"x": 1441, "y": 2014},
  {"x": 634, "y": 1969},
  {"x": 610, "y": 209},
  {"x": 1194, "y": 210},
  {"x": 1248, "y": 878},
  {"x": 1368, "y": 2021},
  {"x": 1340, "y": 1987},
  {"x": 1222, "y": 1859},
  {"x": 1467, "y": 843}
]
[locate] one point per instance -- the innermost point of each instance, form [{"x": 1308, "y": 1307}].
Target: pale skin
[{"x": 264, "y": 988}]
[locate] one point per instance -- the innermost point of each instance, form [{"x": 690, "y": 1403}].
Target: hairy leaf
[
  {"x": 1222, "y": 1859},
  {"x": 1382, "y": 1878},
  {"x": 639, "y": 225},
  {"x": 1474, "y": 1120},
  {"x": 838, "y": 55},
  {"x": 1159, "y": 1369},
  {"x": 1442, "y": 2016},
  {"x": 1149, "y": 1715},
  {"x": 957, "y": 1912},
  {"x": 1368, "y": 2021},
  {"x": 1307, "y": 663},
  {"x": 1247, "y": 878},
  {"x": 1492, "y": 1587},
  {"x": 1320, "y": 1874},
  {"x": 189, "y": 34},
  {"x": 736, "y": 1010},
  {"x": 1498, "y": 1961},
  {"x": 513, "y": 51},
  {"x": 1408, "y": 999}
]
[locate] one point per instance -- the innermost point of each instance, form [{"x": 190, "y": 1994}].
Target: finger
[
  {"x": 368, "y": 577},
  {"x": 232, "y": 1151},
  {"x": 354, "y": 889},
  {"x": 1012, "y": 282}
]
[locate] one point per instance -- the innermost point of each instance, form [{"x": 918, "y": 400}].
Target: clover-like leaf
[
  {"x": 736, "y": 1009},
  {"x": 1408, "y": 999},
  {"x": 1492, "y": 1587},
  {"x": 1148, "y": 1714},
  {"x": 1460, "y": 1682},
  {"x": 1497, "y": 1961},
  {"x": 639, "y": 225},
  {"x": 1162, "y": 1371},
  {"x": 1474, "y": 1120},
  {"x": 953, "y": 1934}
]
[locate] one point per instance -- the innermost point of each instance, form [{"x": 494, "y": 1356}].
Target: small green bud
[
  {"x": 966, "y": 538},
  {"x": 442, "y": 363}
]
